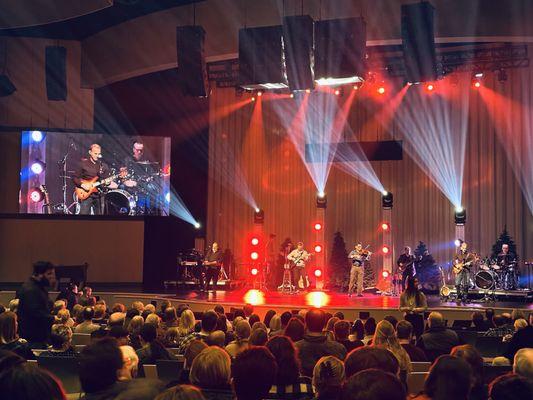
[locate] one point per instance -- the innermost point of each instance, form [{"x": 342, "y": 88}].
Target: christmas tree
[
  {"x": 369, "y": 276},
  {"x": 427, "y": 271},
  {"x": 504, "y": 238},
  {"x": 339, "y": 272}
]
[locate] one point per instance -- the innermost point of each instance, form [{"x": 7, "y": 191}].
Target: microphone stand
[{"x": 63, "y": 163}]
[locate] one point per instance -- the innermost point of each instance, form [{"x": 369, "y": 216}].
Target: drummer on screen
[
  {"x": 136, "y": 156},
  {"x": 505, "y": 258}
]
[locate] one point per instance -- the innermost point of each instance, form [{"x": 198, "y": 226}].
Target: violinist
[{"x": 358, "y": 256}]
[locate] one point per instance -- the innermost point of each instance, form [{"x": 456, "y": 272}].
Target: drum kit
[{"x": 494, "y": 276}]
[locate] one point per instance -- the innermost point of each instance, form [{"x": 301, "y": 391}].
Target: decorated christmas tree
[
  {"x": 369, "y": 276},
  {"x": 339, "y": 272},
  {"x": 427, "y": 271},
  {"x": 504, "y": 238}
]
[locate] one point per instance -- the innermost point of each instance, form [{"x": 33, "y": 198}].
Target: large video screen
[{"x": 94, "y": 174}]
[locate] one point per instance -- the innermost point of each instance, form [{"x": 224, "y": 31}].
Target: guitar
[
  {"x": 83, "y": 194},
  {"x": 294, "y": 263},
  {"x": 459, "y": 266},
  {"x": 46, "y": 204},
  {"x": 403, "y": 267}
]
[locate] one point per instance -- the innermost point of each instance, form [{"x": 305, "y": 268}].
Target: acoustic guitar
[
  {"x": 459, "y": 266},
  {"x": 95, "y": 183}
]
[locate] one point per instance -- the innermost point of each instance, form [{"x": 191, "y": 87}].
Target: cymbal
[{"x": 147, "y": 162}]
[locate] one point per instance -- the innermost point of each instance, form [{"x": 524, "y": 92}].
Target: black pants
[
  {"x": 211, "y": 273},
  {"x": 408, "y": 273},
  {"x": 93, "y": 202}
]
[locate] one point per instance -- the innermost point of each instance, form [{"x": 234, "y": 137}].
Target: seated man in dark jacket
[
  {"x": 437, "y": 340},
  {"x": 315, "y": 343}
]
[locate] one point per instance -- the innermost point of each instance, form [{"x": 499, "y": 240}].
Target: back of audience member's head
[
  {"x": 187, "y": 322},
  {"x": 285, "y": 318},
  {"x": 8, "y": 360},
  {"x": 243, "y": 330},
  {"x": 339, "y": 315},
  {"x": 194, "y": 348},
  {"x": 500, "y": 361},
  {"x": 373, "y": 384},
  {"x": 181, "y": 392},
  {"x": 275, "y": 323},
  {"x": 120, "y": 333},
  {"x": 268, "y": 316},
  {"x": 523, "y": 363},
  {"x": 342, "y": 330},
  {"x": 238, "y": 313},
  {"x": 489, "y": 313},
  {"x": 392, "y": 319},
  {"x": 60, "y": 337},
  {"x": 511, "y": 387},
  {"x": 170, "y": 315},
  {"x": 518, "y": 314},
  {"x": 41, "y": 267},
  {"x": 358, "y": 329},
  {"x": 13, "y": 305},
  {"x": 295, "y": 329},
  {"x": 138, "y": 305},
  {"x": 100, "y": 363},
  {"x": 370, "y": 326},
  {"x": 470, "y": 354},
  {"x": 211, "y": 369},
  {"x": 222, "y": 323},
  {"x": 59, "y": 305},
  {"x": 477, "y": 319},
  {"x": 248, "y": 310},
  {"x": 219, "y": 309},
  {"x": 404, "y": 330},
  {"x": 117, "y": 307},
  {"x": 254, "y": 373},
  {"x": 435, "y": 320},
  {"x": 253, "y": 319},
  {"x": 315, "y": 319},
  {"x": 99, "y": 311},
  {"x": 217, "y": 338},
  {"x": 328, "y": 374},
  {"x": 135, "y": 325},
  {"x": 150, "y": 308},
  {"x": 87, "y": 314},
  {"x": 283, "y": 350},
  {"x": 132, "y": 312},
  {"x": 507, "y": 318},
  {"x": 91, "y": 302},
  {"x": 99, "y": 334},
  {"x": 26, "y": 382},
  {"x": 258, "y": 337},
  {"x": 153, "y": 319},
  {"x": 148, "y": 333},
  {"x": 116, "y": 319},
  {"x": 8, "y": 327},
  {"x": 164, "y": 305},
  {"x": 449, "y": 378},
  {"x": 519, "y": 324},
  {"x": 498, "y": 320},
  {"x": 363, "y": 358},
  {"x": 331, "y": 323},
  {"x": 130, "y": 364}
]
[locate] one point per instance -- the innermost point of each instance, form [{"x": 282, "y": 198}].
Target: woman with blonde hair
[
  {"x": 211, "y": 372},
  {"x": 134, "y": 330},
  {"x": 63, "y": 318},
  {"x": 186, "y": 323},
  {"x": 275, "y": 326},
  {"x": 385, "y": 337},
  {"x": 243, "y": 331},
  {"x": 328, "y": 378}
]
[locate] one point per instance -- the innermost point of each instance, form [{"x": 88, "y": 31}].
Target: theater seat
[
  {"x": 65, "y": 369},
  {"x": 150, "y": 371},
  {"x": 491, "y": 372},
  {"x": 489, "y": 346},
  {"x": 467, "y": 337},
  {"x": 81, "y": 338},
  {"x": 415, "y": 382},
  {"x": 421, "y": 366},
  {"x": 168, "y": 370}
]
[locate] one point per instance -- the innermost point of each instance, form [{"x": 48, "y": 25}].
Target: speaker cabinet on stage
[
  {"x": 298, "y": 41},
  {"x": 340, "y": 48},
  {"x": 418, "y": 40},
  {"x": 261, "y": 57},
  {"x": 192, "y": 72},
  {"x": 56, "y": 72}
]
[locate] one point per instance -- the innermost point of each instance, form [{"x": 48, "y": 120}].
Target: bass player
[
  {"x": 406, "y": 265},
  {"x": 461, "y": 267},
  {"x": 90, "y": 168}
]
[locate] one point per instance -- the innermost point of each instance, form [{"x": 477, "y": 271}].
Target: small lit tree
[
  {"x": 339, "y": 265},
  {"x": 504, "y": 238}
]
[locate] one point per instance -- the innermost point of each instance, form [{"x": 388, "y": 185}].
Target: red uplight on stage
[
  {"x": 318, "y": 248},
  {"x": 291, "y": 95},
  {"x": 36, "y": 195},
  {"x": 259, "y": 94},
  {"x": 385, "y": 226},
  {"x": 385, "y": 274},
  {"x": 381, "y": 90},
  {"x": 254, "y": 297},
  {"x": 307, "y": 90},
  {"x": 430, "y": 87},
  {"x": 318, "y": 226},
  {"x": 253, "y": 98},
  {"x": 254, "y": 255},
  {"x": 337, "y": 92},
  {"x": 255, "y": 241},
  {"x": 317, "y": 299},
  {"x": 254, "y": 271},
  {"x": 385, "y": 250},
  {"x": 476, "y": 82},
  {"x": 318, "y": 273}
]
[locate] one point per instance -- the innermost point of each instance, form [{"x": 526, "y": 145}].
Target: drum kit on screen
[{"x": 493, "y": 276}]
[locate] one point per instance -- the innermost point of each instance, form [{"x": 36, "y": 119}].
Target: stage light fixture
[
  {"x": 307, "y": 90},
  {"x": 337, "y": 92},
  {"x": 318, "y": 226},
  {"x": 430, "y": 87},
  {"x": 254, "y": 271},
  {"x": 385, "y": 226},
  {"x": 321, "y": 200},
  {"x": 36, "y": 195},
  {"x": 357, "y": 85},
  {"x": 291, "y": 95},
  {"x": 253, "y": 98},
  {"x": 259, "y": 93},
  {"x": 197, "y": 225},
  {"x": 381, "y": 90},
  {"x": 254, "y": 255},
  {"x": 385, "y": 274},
  {"x": 476, "y": 84},
  {"x": 478, "y": 74},
  {"x": 386, "y": 199},
  {"x": 255, "y": 241},
  {"x": 385, "y": 250},
  {"x": 318, "y": 272},
  {"x": 457, "y": 242},
  {"x": 460, "y": 216},
  {"x": 37, "y": 136},
  {"x": 259, "y": 216},
  {"x": 318, "y": 248},
  {"x": 37, "y": 167}
]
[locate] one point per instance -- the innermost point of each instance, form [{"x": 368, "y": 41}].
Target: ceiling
[{"x": 70, "y": 19}]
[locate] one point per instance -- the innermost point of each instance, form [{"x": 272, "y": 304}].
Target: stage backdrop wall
[{"x": 280, "y": 184}]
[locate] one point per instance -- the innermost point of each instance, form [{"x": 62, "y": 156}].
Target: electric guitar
[
  {"x": 403, "y": 267},
  {"x": 459, "y": 266},
  {"x": 46, "y": 204},
  {"x": 94, "y": 183}
]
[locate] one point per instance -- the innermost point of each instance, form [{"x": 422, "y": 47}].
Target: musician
[
  {"x": 90, "y": 168},
  {"x": 137, "y": 155},
  {"x": 213, "y": 262},
  {"x": 465, "y": 259},
  {"x": 358, "y": 256},
  {"x": 505, "y": 258},
  {"x": 299, "y": 257},
  {"x": 406, "y": 265}
]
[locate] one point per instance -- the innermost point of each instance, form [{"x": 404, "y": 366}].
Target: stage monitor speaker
[
  {"x": 261, "y": 60},
  {"x": 192, "y": 73},
  {"x": 298, "y": 41},
  {"x": 56, "y": 73},
  {"x": 418, "y": 41},
  {"x": 340, "y": 48},
  {"x": 6, "y": 86}
]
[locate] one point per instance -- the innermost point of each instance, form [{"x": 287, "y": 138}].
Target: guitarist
[
  {"x": 89, "y": 168},
  {"x": 299, "y": 257},
  {"x": 406, "y": 265},
  {"x": 462, "y": 263}
]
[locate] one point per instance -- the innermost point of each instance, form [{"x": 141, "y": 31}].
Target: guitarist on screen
[
  {"x": 90, "y": 168},
  {"x": 406, "y": 265},
  {"x": 462, "y": 264}
]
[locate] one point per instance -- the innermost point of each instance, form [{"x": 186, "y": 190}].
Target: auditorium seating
[
  {"x": 415, "y": 382},
  {"x": 81, "y": 338},
  {"x": 489, "y": 346},
  {"x": 168, "y": 370},
  {"x": 66, "y": 369},
  {"x": 150, "y": 371},
  {"x": 420, "y": 366}
]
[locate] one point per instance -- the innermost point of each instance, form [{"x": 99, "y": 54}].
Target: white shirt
[{"x": 299, "y": 257}]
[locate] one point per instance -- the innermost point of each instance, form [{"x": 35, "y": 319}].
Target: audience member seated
[
  {"x": 130, "y": 314},
  {"x": 339, "y": 315},
  {"x": 172, "y": 337},
  {"x": 70, "y": 294},
  {"x": 195, "y": 347},
  {"x": 8, "y": 360},
  {"x": 253, "y": 319},
  {"x": 63, "y": 318},
  {"x": 295, "y": 329},
  {"x": 501, "y": 328},
  {"x": 315, "y": 345},
  {"x": 171, "y": 319},
  {"x": 61, "y": 340},
  {"x": 242, "y": 331},
  {"x": 369, "y": 329},
  {"x": 385, "y": 337},
  {"x": 9, "y": 339},
  {"x": 100, "y": 364},
  {"x": 523, "y": 338},
  {"x": 134, "y": 329},
  {"x": 288, "y": 381},
  {"x": 357, "y": 331},
  {"x": 217, "y": 338},
  {"x": 27, "y": 382},
  {"x": 328, "y": 378},
  {"x": 341, "y": 330},
  {"x": 478, "y": 322},
  {"x": 254, "y": 373},
  {"x": 371, "y": 358},
  {"x": 121, "y": 334},
  {"x": 100, "y": 315},
  {"x": 138, "y": 305},
  {"x": 99, "y": 334},
  {"x": 500, "y": 361},
  {"x": 258, "y": 325},
  {"x": 404, "y": 331},
  {"x": 268, "y": 316},
  {"x": 511, "y": 387},
  {"x": 211, "y": 372},
  {"x": 130, "y": 365},
  {"x": 76, "y": 313},
  {"x": 469, "y": 353},
  {"x": 86, "y": 297},
  {"x": 449, "y": 378},
  {"x": 489, "y": 318},
  {"x": 258, "y": 337},
  {"x": 116, "y": 319},
  {"x": 523, "y": 363},
  {"x": 13, "y": 305},
  {"x": 276, "y": 326},
  {"x": 330, "y": 325},
  {"x": 209, "y": 324},
  {"x": 152, "y": 349},
  {"x": 248, "y": 310},
  {"x": 392, "y": 319},
  {"x": 373, "y": 384},
  {"x": 438, "y": 339},
  {"x": 285, "y": 318},
  {"x": 518, "y": 314},
  {"x": 181, "y": 392},
  {"x": 118, "y": 307},
  {"x": 163, "y": 307},
  {"x": 58, "y": 306},
  {"x": 86, "y": 326},
  {"x": 186, "y": 324}
]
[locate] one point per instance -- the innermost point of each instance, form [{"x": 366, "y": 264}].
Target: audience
[
  {"x": 341, "y": 330},
  {"x": 27, "y": 382},
  {"x": 152, "y": 349},
  {"x": 194, "y": 348},
  {"x": 209, "y": 324},
  {"x": 438, "y": 339},
  {"x": 258, "y": 337},
  {"x": 371, "y": 358},
  {"x": 211, "y": 372},
  {"x": 523, "y": 363},
  {"x": 9, "y": 339},
  {"x": 276, "y": 325},
  {"x": 523, "y": 338},
  {"x": 181, "y": 392},
  {"x": 186, "y": 323},
  {"x": 468, "y": 353},
  {"x": 385, "y": 337},
  {"x": 369, "y": 330},
  {"x": 121, "y": 334},
  {"x": 254, "y": 373},
  {"x": 268, "y": 316},
  {"x": 134, "y": 330},
  {"x": 357, "y": 331},
  {"x": 373, "y": 384},
  {"x": 404, "y": 331},
  {"x": 328, "y": 378},
  {"x": 511, "y": 387},
  {"x": 61, "y": 340},
  {"x": 243, "y": 331},
  {"x": 63, "y": 318},
  {"x": 170, "y": 318},
  {"x": 315, "y": 344},
  {"x": 501, "y": 327},
  {"x": 87, "y": 325},
  {"x": 478, "y": 322},
  {"x": 295, "y": 329}
]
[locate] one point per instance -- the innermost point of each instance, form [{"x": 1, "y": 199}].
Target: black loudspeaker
[
  {"x": 340, "y": 48},
  {"x": 261, "y": 58},
  {"x": 418, "y": 40},
  {"x": 192, "y": 73},
  {"x": 56, "y": 72},
  {"x": 298, "y": 42},
  {"x": 6, "y": 86}
]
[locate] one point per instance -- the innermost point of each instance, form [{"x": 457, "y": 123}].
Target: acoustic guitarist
[
  {"x": 406, "y": 265},
  {"x": 299, "y": 257},
  {"x": 461, "y": 267},
  {"x": 90, "y": 173}
]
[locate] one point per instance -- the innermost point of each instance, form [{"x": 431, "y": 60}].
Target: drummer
[
  {"x": 136, "y": 156},
  {"x": 505, "y": 258}
]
